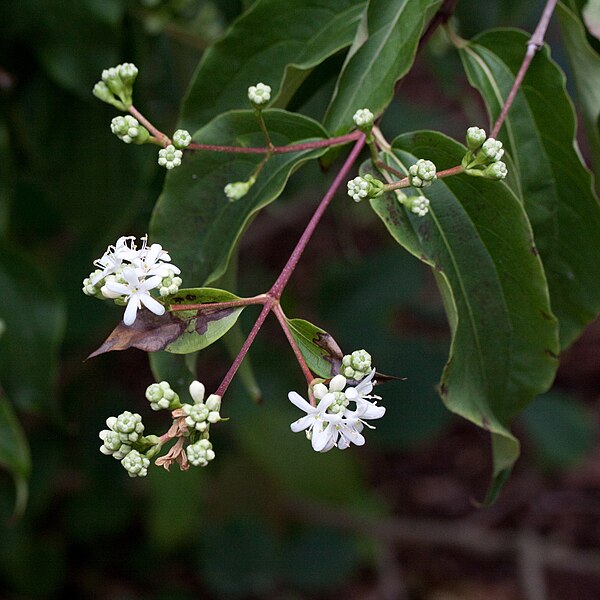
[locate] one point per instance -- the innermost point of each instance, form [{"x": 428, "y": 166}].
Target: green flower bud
[
  {"x": 356, "y": 365},
  {"x": 364, "y": 187},
  {"x": 128, "y": 425},
  {"x": 418, "y": 205},
  {"x": 475, "y": 138},
  {"x": 200, "y": 453},
  {"x": 181, "y": 138},
  {"x": 422, "y": 173},
  {"x": 161, "y": 396},
  {"x": 238, "y": 189},
  {"x": 135, "y": 464},
  {"x": 497, "y": 170},
  {"x": 169, "y": 157},
  {"x": 129, "y": 130},
  {"x": 102, "y": 92}
]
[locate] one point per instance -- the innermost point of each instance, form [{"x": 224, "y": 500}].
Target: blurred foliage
[{"x": 67, "y": 190}]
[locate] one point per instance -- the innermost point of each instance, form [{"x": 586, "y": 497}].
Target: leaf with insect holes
[
  {"x": 179, "y": 332},
  {"x": 321, "y": 352}
]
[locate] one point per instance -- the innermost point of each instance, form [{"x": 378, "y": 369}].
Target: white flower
[
  {"x": 136, "y": 293},
  {"x": 112, "y": 260},
  {"x": 363, "y": 117},
  {"x": 332, "y": 423},
  {"x": 169, "y": 157},
  {"x": 150, "y": 261},
  {"x": 259, "y": 94}
]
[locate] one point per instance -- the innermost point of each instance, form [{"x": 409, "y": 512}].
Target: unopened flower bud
[
  {"x": 363, "y": 118},
  {"x": 200, "y": 453},
  {"x": 161, "y": 396},
  {"x": 238, "y": 189},
  {"x": 356, "y": 365},
  {"x": 259, "y": 94},
  {"x": 181, "y": 138},
  {"x": 135, "y": 464},
  {"x": 169, "y": 157},
  {"x": 475, "y": 138},
  {"x": 422, "y": 173},
  {"x": 364, "y": 187},
  {"x": 128, "y": 129},
  {"x": 497, "y": 170}
]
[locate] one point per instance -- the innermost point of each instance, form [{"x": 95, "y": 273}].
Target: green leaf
[
  {"x": 193, "y": 217},
  {"x": 14, "y": 452},
  {"x": 179, "y": 332},
  {"x": 34, "y": 318},
  {"x": 320, "y": 351},
  {"x": 382, "y": 52},
  {"x": 562, "y": 430},
  {"x": 504, "y": 338},
  {"x": 278, "y": 44},
  {"x": 585, "y": 64},
  {"x": 539, "y": 134}
]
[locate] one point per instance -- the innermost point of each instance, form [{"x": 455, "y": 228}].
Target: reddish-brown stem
[
  {"x": 288, "y": 334},
  {"x": 162, "y": 138},
  {"x": 245, "y": 347},
  {"x": 260, "y": 299},
  {"x": 403, "y": 183},
  {"x": 274, "y": 294},
  {"x": 533, "y": 45},
  {"x": 334, "y": 141},
  {"x": 289, "y": 267}
]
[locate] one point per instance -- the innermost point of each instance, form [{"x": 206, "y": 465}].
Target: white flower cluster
[
  {"x": 116, "y": 87},
  {"x": 331, "y": 423},
  {"x": 259, "y": 94},
  {"x": 182, "y": 138},
  {"x": 129, "y": 130},
  {"x": 363, "y": 117},
  {"x": 356, "y": 365},
  {"x": 422, "y": 174},
  {"x": 161, "y": 396},
  {"x": 201, "y": 415},
  {"x": 169, "y": 157},
  {"x": 127, "y": 275},
  {"x": 484, "y": 156}
]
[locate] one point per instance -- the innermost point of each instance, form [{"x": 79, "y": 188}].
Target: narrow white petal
[
  {"x": 131, "y": 277},
  {"x": 302, "y": 423},
  {"x": 151, "y": 283},
  {"x": 151, "y": 304},
  {"x": 322, "y": 437},
  {"x": 297, "y": 400},
  {"x": 130, "y": 312}
]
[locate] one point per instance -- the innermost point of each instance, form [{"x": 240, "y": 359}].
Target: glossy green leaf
[
  {"x": 14, "y": 452},
  {"x": 585, "y": 64},
  {"x": 273, "y": 42},
  {"x": 382, "y": 52},
  {"x": 194, "y": 218},
  {"x": 320, "y": 351},
  {"x": 479, "y": 242},
  {"x": 34, "y": 320},
  {"x": 539, "y": 134},
  {"x": 179, "y": 332}
]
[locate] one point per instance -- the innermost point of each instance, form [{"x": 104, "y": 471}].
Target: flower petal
[
  {"x": 131, "y": 311},
  {"x": 297, "y": 400},
  {"x": 302, "y": 423},
  {"x": 151, "y": 304},
  {"x": 322, "y": 436},
  {"x": 131, "y": 277}
]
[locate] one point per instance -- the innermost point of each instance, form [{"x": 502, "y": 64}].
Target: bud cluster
[
  {"x": 125, "y": 441},
  {"x": 422, "y": 174},
  {"x": 364, "y": 187},
  {"x": 363, "y": 118},
  {"x": 356, "y": 365},
  {"x": 116, "y": 86},
  {"x": 259, "y": 94},
  {"x": 129, "y": 130},
  {"x": 169, "y": 157},
  {"x": 483, "y": 158}
]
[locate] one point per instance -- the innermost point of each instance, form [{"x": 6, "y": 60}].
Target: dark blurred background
[{"x": 269, "y": 518}]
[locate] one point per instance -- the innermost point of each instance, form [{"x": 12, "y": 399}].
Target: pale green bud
[
  {"x": 418, "y": 205},
  {"x": 475, "y": 138},
  {"x": 238, "y": 189},
  {"x": 497, "y": 170},
  {"x": 259, "y": 94},
  {"x": 161, "y": 396},
  {"x": 422, "y": 173},
  {"x": 169, "y": 157},
  {"x": 356, "y": 365},
  {"x": 364, "y": 187},
  {"x": 128, "y": 129},
  {"x": 363, "y": 118},
  {"x": 182, "y": 138},
  {"x": 135, "y": 464},
  {"x": 200, "y": 453},
  {"x": 102, "y": 92},
  {"x": 128, "y": 425}
]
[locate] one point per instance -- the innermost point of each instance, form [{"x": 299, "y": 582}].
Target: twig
[{"x": 533, "y": 45}]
